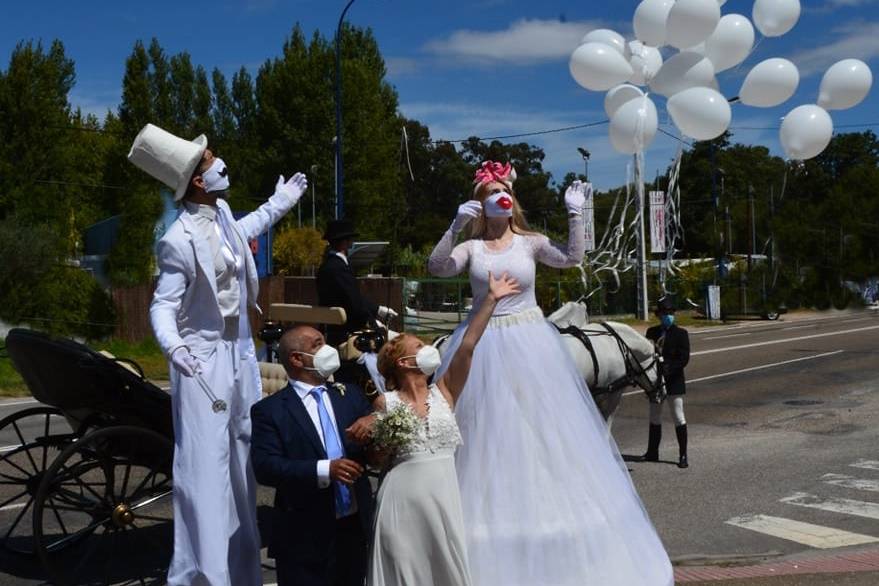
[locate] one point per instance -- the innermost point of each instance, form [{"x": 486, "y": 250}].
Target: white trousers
[
  {"x": 675, "y": 406},
  {"x": 216, "y": 540}
]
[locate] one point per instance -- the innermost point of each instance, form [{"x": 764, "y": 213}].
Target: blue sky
[{"x": 477, "y": 67}]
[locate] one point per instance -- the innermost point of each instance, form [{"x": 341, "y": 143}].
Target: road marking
[
  {"x": 834, "y": 505},
  {"x": 796, "y": 328},
  {"x": 785, "y": 341},
  {"x": 12, "y": 507},
  {"x": 816, "y": 536},
  {"x": 851, "y": 482},
  {"x": 868, "y": 464},
  {"x": 762, "y": 366},
  {"x": 849, "y": 321},
  {"x": 5, "y": 449},
  {"x": 729, "y": 336}
]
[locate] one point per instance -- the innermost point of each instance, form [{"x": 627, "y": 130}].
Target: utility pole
[
  {"x": 751, "y": 226},
  {"x": 313, "y": 190}
]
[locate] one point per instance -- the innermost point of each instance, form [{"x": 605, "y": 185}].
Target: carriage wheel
[
  {"x": 37, "y": 435},
  {"x": 103, "y": 513}
]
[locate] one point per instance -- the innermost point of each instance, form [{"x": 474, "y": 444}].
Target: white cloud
[
  {"x": 400, "y": 66},
  {"x": 857, "y": 40},
  {"x": 525, "y": 41}
]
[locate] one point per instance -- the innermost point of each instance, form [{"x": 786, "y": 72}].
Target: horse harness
[{"x": 634, "y": 370}]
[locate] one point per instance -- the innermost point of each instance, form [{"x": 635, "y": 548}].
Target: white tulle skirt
[{"x": 546, "y": 497}]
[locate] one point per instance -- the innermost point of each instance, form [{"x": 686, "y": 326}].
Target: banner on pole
[
  {"x": 657, "y": 221},
  {"x": 589, "y": 220}
]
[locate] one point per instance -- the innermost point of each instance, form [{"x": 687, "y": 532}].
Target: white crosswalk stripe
[
  {"x": 816, "y": 536},
  {"x": 834, "y": 505},
  {"x": 866, "y": 464},
  {"x": 851, "y": 482},
  {"x": 820, "y": 536}
]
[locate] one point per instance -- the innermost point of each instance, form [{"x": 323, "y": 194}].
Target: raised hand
[
  {"x": 466, "y": 212},
  {"x": 293, "y": 188},
  {"x": 502, "y": 287},
  {"x": 575, "y": 196}
]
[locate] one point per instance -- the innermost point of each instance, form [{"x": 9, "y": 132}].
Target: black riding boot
[
  {"x": 653, "y": 440},
  {"x": 681, "y": 431}
]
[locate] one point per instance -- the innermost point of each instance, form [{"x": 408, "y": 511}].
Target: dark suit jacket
[
  {"x": 675, "y": 354},
  {"x": 285, "y": 448},
  {"x": 337, "y": 287}
]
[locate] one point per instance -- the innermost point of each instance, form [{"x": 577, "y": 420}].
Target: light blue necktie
[{"x": 334, "y": 450}]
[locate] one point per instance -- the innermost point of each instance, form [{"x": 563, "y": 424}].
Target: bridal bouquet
[{"x": 395, "y": 428}]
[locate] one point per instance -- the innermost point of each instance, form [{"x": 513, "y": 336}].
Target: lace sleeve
[
  {"x": 560, "y": 256},
  {"x": 448, "y": 260}
]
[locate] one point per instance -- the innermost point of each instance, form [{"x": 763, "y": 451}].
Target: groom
[{"x": 323, "y": 501}]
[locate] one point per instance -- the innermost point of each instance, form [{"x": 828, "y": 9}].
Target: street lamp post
[
  {"x": 340, "y": 200},
  {"x": 313, "y": 189},
  {"x": 585, "y": 154}
]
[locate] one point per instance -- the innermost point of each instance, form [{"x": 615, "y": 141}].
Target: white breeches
[
  {"x": 216, "y": 540},
  {"x": 675, "y": 406}
]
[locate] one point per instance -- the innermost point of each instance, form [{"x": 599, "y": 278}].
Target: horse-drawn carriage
[{"x": 87, "y": 483}]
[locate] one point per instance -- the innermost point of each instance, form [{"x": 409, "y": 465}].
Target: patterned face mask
[
  {"x": 498, "y": 205},
  {"x": 216, "y": 178}
]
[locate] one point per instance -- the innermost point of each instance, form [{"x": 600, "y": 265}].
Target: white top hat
[{"x": 170, "y": 159}]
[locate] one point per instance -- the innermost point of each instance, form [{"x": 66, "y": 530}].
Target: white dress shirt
[{"x": 341, "y": 255}]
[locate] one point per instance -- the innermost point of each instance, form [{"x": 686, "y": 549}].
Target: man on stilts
[{"x": 207, "y": 280}]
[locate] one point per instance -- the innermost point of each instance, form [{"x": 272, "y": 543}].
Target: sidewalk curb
[{"x": 863, "y": 560}]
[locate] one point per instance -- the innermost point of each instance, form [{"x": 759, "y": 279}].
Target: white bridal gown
[
  {"x": 546, "y": 497},
  {"x": 419, "y": 530}
]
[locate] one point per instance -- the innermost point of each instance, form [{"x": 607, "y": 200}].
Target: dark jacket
[
  {"x": 285, "y": 448},
  {"x": 675, "y": 344},
  {"x": 337, "y": 287}
]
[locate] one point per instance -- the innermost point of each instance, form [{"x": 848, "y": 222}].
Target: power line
[{"x": 523, "y": 134}]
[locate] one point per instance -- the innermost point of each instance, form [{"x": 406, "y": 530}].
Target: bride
[
  {"x": 419, "y": 528},
  {"x": 546, "y": 497}
]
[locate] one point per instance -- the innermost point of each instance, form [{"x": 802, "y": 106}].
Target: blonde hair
[
  {"x": 388, "y": 356},
  {"x": 518, "y": 223}
]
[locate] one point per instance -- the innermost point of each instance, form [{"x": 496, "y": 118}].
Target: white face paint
[
  {"x": 498, "y": 205},
  {"x": 216, "y": 178}
]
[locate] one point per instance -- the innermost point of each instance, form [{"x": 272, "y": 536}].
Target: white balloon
[
  {"x": 773, "y": 18},
  {"x": 690, "y": 22},
  {"x": 599, "y": 67},
  {"x": 805, "y": 132},
  {"x": 683, "y": 71},
  {"x": 645, "y": 61},
  {"x": 770, "y": 83},
  {"x": 721, "y": 2},
  {"x": 845, "y": 84},
  {"x": 700, "y": 112},
  {"x": 649, "y": 21},
  {"x": 730, "y": 43},
  {"x": 633, "y": 126},
  {"x": 608, "y": 37},
  {"x": 618, "y": 96}
]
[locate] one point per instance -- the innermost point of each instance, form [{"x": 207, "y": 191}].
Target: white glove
[
  {"x": 292, "y": 189},
  {"x": 184, "y": 362},
  {"x": 386, "y": 313},
  {"x": 466, "y": 212},
  {"x": 575, "y": 196}
]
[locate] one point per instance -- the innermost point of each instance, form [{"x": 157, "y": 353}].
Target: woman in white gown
[
  {"x": 419, "y": 528},
  {"x": 546, "y": 497}
]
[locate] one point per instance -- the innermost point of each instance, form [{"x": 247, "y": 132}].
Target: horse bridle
[{"x": 636, "y": 373}]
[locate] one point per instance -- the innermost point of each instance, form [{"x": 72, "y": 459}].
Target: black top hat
[
  {"x": 665, "y": 304},
  {"x": 339, "y": 230}
]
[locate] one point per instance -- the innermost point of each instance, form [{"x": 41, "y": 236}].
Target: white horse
[{"x": 610, "y": 356}]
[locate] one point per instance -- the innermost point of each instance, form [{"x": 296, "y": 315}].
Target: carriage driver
[
  {"x": 673, "y": 344},
  {"x": 207, "y": 279}
]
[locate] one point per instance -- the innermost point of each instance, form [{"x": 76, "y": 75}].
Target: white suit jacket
[{"x": 185, "y": 310}]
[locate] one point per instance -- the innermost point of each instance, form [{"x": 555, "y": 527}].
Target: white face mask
[
  {"x": 216, "y": 178},
  {"x": 498, "y": 205},
  {"x": 427, "y": 359},
  {"x": 326, "y": 361}
]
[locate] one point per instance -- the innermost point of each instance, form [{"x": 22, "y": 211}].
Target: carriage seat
[{"x": 273, "y": 377}]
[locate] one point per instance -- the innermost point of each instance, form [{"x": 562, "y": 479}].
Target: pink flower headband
[{"x": 491, "y": 171}]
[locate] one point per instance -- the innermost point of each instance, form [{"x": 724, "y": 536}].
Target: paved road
[{"x": 783, "y": 437}]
